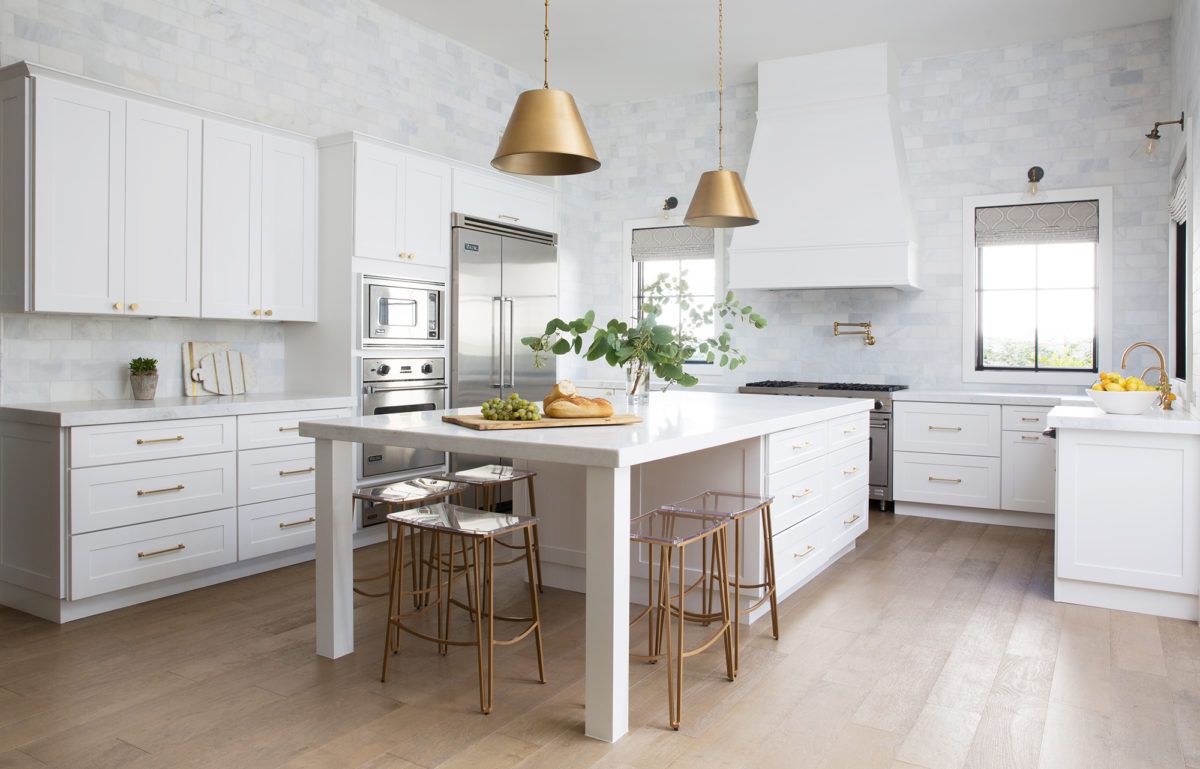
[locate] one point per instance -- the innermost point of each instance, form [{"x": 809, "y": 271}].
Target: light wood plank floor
[{"x": 934, "y": 644}]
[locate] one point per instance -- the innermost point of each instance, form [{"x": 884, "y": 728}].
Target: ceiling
[{"x": 626, "y": 50}]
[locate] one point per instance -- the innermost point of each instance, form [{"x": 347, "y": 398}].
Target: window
[
  {"x": 1036, "y": 293},
  {"x": 679, "y": 260}
]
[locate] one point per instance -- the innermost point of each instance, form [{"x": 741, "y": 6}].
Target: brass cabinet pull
[
  {"x": 850, "y": 430},
  {"x": 509, "y": 217},
  {"x": 152, "y": 553},
  {"x": 1029, "y": 437},
  {"x": 935, "y": 479},
  {"x": 946, "y": 429},
  {"x": 1031, "y": 419},
  {"x": 167, "y": 490},
  {"x": 850, "y": 471},
  {"x": 801, "y": 446},
  {"x": 289, "y": 429},
  {"x": 851, "y": 519},
  {"x": 807, "y": 552},
  {"x": 309, "y": 519},
  {"x": 301, "y": 471},
  {"x": 147, "y": 441},
  {"x": 802, "y": 494}
]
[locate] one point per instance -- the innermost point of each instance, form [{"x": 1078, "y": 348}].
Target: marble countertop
[
  {"x": 1175, "y": 422},
  {"x": 105, "y": 412},
  {"x": 674, "y": 423},
  {"x": 990, "y": 398}
]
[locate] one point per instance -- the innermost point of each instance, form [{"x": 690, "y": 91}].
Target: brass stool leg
[
  {"x": 720, "y": 551},
  {"x": 679, "y": 652},
  {"x": 663, "y": 626},
  {"x": 537, "y": 547},
  {"x": 666, "y": 608},
  {"x": 489, "y": 550},
  {"x": 737, "y": 593},
  {"x": 533, "y": 602},
  {"x": 769, "y": 548}
]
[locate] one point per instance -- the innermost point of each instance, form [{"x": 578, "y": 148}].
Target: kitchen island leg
[
  {"x": 606, "y": 666},
  {"x": 335, "y": 549}
]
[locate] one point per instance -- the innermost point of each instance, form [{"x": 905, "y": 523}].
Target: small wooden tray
[{"x": 479, "y": 423}]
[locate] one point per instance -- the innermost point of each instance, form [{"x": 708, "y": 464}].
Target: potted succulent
[
  {"x": 143, "y": 378},
  {"x": 644, "y": 345}
]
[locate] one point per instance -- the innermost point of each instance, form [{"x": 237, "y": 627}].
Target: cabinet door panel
[
  {"x": 427, "y": 212},
  {"x": 1027, "y": 472},
  {"x": 289, "y": 229},
  {"x": 378, "y": 203},
  {"x": 162, "y": 212},
  {"x": 232, "y": 222},
  {"x": 492, "y": 196},
  {"x": 79, "y": 198}
]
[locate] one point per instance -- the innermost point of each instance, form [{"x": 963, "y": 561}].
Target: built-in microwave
[{"x": 401, "y": 313}]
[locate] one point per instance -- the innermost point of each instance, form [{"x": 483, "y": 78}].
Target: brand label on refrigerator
[{"x": 471, "y": 246}]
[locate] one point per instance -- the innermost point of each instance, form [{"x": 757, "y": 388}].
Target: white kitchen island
[{"x": 810, "y": 453}]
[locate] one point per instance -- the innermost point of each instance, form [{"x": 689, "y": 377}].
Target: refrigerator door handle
[
  {"x": 512, "y": 354},
  {"x": 498, "y": 350}
]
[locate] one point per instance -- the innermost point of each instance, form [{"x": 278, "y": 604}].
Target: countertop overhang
[
  {"x": 1175, "y": 422},
  {"x": 673, "y": 423},
  {"x": 107, "y": 412}
]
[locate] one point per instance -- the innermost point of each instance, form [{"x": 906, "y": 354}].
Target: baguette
[
  {"x": 564, "y": 389},
  {"x": 576, "y": 407}
]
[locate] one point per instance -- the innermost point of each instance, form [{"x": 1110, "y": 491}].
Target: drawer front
[
  {"x": 791, "y": 447},
  {"x": 947, "y": 428},
  {"x": 104, "y": 561},
  {"x": 266, "y": 474},
  {"x": 945, "y": 479},
  {"x": 846, "y": 431},
  {"x": 120, "y": 495},
  {"x": 800, "y": 551},
  {"x": 847, "y": 470},
  {"x": 799, "y": 492},
  {"x": 272, "y": 527},
  {"x": 846, "y": 521},
  {"x": 1025, "y": 418},
  {"x": 138, "y": 441},
  {"x": 263, "y": 431}
]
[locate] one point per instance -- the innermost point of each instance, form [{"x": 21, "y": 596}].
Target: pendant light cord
[
  {"x": 546, "y": 49},
  {"x": 720, "y": 84}
]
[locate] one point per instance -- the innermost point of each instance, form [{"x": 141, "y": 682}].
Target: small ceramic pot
[{"x": 143, "y": 386}]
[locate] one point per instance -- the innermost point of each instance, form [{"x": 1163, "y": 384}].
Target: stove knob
[
  {"x": 426, "y": 368},
  {"x": 383, "y": 369},
  {"x": 878, "y": 405}
]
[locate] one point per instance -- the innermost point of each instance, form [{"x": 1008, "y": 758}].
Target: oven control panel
[{"x": 401, "y": 369}]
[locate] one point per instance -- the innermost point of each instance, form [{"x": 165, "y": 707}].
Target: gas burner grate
[
  {"x": 775, "y": 383},
  {"x": 853, "y": 386}
]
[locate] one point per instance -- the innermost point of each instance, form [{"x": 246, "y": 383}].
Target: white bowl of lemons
[{"x": 1115, "y": 394}]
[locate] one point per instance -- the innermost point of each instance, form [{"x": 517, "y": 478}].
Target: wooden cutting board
[
  {"x": 479, "y": 423},
  {"x": 225, "y": 373}
]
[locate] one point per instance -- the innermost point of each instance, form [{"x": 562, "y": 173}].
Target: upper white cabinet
[
  {"x": 111, "y": 204},
  {"x": 401, "y": 207},
  {"x": 492, "y": 196},
  {"x": 79, "y": 199}
]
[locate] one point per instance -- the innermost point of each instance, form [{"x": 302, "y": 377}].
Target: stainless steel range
[{"x": 881, "y": 420}]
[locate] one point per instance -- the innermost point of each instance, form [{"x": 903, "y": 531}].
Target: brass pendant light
[
  {"x": 545, "y": 135},
  {"x": 720, "y": 199}
]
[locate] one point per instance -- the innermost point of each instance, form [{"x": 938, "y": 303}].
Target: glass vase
[{"x": 637, "y": 386}]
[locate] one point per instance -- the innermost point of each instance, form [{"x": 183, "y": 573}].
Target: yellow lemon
[
  {"x": 1098, "y": 386},
  {"x": 1113, "y": 387}
]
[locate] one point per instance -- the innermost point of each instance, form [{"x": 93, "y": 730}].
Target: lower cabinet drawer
[
  {"x": 946, "y": 479},
  {"x": 119, "y": 495},
  {"x": 798, "y": 491},
  {"x": 262, "y": 431},
  {"x": 266, "y": 474},
  {"x": 800, "y": 551},
  {"x": 104, "y": 561},
  {"x": 847, "y": 520},
  {"x": 847, "y": 470},
  {"x": 845, "y": 431},
  {"x": 791, "y": 447},
  {"x": 272, "y": 527}
]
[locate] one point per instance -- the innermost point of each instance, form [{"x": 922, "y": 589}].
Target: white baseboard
[
  {"x": 1121, "y": 598},
  {"x": 60, "y": 611},
  {"x": 975, "y": 515}
]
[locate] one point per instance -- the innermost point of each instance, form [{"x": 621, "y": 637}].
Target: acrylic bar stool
[
  {"x": 460, "y": 531},
  {"x": 399, "y": 496},
  {"x": 735, "y": 508},
  {"x": 486, "y": 483},
  {"x": 667, "y": 534}
]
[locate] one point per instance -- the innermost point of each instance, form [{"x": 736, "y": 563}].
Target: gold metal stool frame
[
  {"x": 659, "y": 608},
  {"x": 454, "y": 522}
]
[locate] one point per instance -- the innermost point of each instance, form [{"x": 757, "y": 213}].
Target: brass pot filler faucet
[{"x": 868, "y": 337}]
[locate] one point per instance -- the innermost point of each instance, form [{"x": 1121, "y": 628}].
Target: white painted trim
[
  {"x": 1122, "y": 598},
  {"x": 1103, "y": 275},
  {"x": 975, "y": 515}
]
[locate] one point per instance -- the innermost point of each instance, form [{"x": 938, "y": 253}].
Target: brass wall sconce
[
  {"x": 868, "y": 337},
  {"x": 1150, "y": 144},
  {"x": 1035, "y": 176}
]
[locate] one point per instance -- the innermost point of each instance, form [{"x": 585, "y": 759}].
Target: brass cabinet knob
[
  {"x": 269, "y": 313},
  {"x": 118, "y": 306},
  {"x": 257, "y": 313},
  {"x": 133, "y": 307}
]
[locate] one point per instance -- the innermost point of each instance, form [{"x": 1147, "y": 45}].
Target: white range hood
[{"x": 828, "y": 177}]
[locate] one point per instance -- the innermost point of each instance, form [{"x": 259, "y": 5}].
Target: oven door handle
[{"x": 371, "y": 389}]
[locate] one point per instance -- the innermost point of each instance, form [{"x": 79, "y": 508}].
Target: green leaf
[
  {"x": 711, "y": 357},
  {"x": 561, "y": 347},
  {"x": 687, "y": 380},
  {"x": 662, "y": 334},
  {"x": 577, "y": 344},
  {"x": 729, "y": 296},
  {"x": 724, "y": 360},
  {"x": 530, "y": 341},
  {"x": 589, "y": 318},
  {"x": 733, "y": 364},
  {"x": 610, "y": 358}
]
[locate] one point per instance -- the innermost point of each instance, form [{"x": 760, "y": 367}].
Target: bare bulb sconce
[
  {"x": 669, "y": 205},
  {"x": 865, "y": 333},
  {"x": 1149, "y": 145},
  {"x": 1035, "y": 175}
]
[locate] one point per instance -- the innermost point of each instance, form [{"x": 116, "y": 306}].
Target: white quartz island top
[
  {"x": 990, "y": 398},
  {"x": 673, "y": 423},
  {"x": 1174, "y": 422},
  {"x": 106, "y": 412}
]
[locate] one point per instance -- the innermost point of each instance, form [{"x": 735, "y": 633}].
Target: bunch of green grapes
[{"x": 514, "y": 408}]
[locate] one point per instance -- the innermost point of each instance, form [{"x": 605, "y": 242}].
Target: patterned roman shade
[
  {"x": 1038, "y": 223},
  {"x": 662, "y": 243}
]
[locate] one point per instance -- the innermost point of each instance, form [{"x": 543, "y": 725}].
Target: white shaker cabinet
[
  {"x": 162, "y": 206},
  {"x": 1027, "y": 472},
  {"x": 401, "y": 207},
  {"x": 508, "y": 201},
  {"x": 289, "y": 229},
  {"x": 79, "y": 199}
]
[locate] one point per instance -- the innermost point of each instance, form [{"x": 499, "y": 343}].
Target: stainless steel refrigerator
[{"x": 504, "y": 286}]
